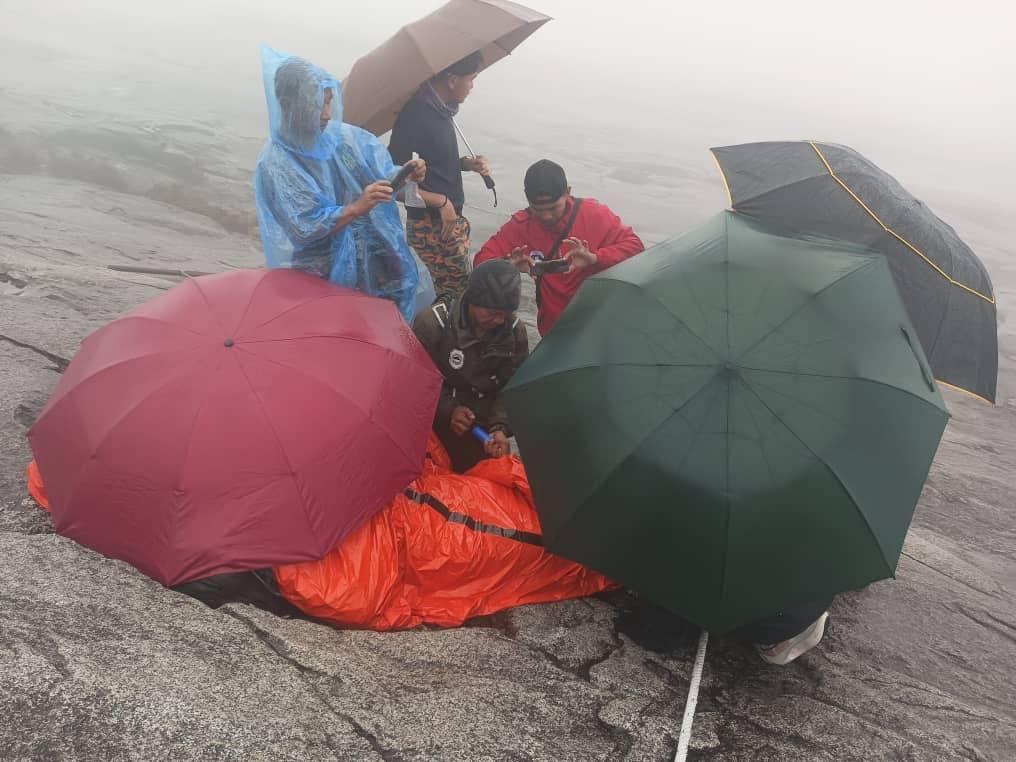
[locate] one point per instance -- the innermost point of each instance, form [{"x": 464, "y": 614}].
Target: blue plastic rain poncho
[{"x": 313, "y": 166}]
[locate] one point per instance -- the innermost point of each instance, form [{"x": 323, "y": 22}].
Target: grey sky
[{"x": 924, "y": 88}]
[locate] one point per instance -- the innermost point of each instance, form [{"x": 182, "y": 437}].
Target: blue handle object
[{"x": 480, "y": 434}]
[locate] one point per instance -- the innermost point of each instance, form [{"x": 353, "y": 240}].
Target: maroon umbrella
[{"x": 238, "y": 421}]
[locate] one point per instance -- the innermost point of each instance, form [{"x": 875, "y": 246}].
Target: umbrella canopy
[
  {"x": 731, "y": 423},
  {"x": 834, "y": 191},
  {"x": 382, "y": 81},
  {"x": 238, "y": 421}
]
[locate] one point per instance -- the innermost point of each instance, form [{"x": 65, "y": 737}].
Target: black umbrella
[{"x": 834, "y": 191}]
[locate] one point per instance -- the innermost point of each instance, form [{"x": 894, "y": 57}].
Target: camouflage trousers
[{"x": 448, "y": 261}]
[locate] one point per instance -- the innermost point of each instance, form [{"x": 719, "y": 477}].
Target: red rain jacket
[{"x": 611, "y": 240}]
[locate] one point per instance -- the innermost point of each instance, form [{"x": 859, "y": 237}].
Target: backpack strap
[
  {"x": 437, "y": 314},
  {"x": 552, "y": 254}
]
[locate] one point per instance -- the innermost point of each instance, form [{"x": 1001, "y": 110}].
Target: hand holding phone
[
  {"x": 549, "y": 266},
  {"x": 403, "y": 175}
]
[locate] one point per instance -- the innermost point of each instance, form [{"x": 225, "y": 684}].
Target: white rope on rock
[{"x": 689, "y": 708}]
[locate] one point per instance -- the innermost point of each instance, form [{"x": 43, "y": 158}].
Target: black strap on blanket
[{"x": 460, "y": 518}]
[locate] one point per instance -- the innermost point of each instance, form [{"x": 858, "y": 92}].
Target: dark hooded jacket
[{"x": 476, "y": 369}]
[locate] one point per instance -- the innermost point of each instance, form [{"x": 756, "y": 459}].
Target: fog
[{"x": 924, "y": 89}]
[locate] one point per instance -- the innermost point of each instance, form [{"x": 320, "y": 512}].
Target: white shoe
[{"x": 788, "y": 650}]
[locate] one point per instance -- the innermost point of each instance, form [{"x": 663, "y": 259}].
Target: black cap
[
  {"x": 495, "y": 285},
  {"x": 545, "y": 180}
]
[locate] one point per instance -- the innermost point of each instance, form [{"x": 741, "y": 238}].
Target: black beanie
[
  {"x": 545, "y": 179},
  {"x": 495, "y": 285}
]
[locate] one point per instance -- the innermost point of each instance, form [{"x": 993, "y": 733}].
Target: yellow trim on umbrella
[
  {"x": 990, "y": 300},
  {"x": 893, "y": 233},
  {"x": 965, "y": 391},
  {"x": 723, "y": 176}
]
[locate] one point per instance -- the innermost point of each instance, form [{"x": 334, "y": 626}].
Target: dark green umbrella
[
  {"x": 732, "y": 422},
  {"x": 833, "y": 191}
]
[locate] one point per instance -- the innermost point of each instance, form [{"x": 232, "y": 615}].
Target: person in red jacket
[{"x": 583, "y": 233}]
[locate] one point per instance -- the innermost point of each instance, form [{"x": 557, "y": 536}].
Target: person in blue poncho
[{"x": 324, "y": 196}]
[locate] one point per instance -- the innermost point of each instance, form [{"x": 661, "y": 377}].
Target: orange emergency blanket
[
  {"x": 450, "y": 548},
  {"x": 35, "y": 486}
]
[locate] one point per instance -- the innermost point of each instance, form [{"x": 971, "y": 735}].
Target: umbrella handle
[
  {"x": 489, "y": 182},
  {"x": 487, "y": 179}
]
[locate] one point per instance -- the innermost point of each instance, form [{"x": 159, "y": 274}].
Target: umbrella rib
[
  {"x": 667, "y": 309},
  {"x": 175, "y": 515},
  {"x": 846, "y": 378},
  {"x": 576, "y": 368},
  {"x": 94, "y": 450},
  {"x": 335, "y": 336},
  {"x": 771, "y": 191},
  {"x": 134, "y": 407},
  {"x": 190, "y": 433},
  {"x": 889, "y": 567},
  {"x": 250, "y": 301},
  {"x": 366, "y": 413},
  {"x": 85, "y": 379},
  {"x": 726, "y": 438},
  {"x": 758, "y": 433},
  {"x": 132, "y": 316},
  {"x": 208, "y": 304},
  {"x": 941, "y": 323},
  {"x": 411, "y": 34},
  {"x": 606, "y": 477},
  {"x": 278, "y": 442},
  {"x": 893, "y": 233},
  {"x": 299, "y": 305},
  {"x": 871, "y": 262}
]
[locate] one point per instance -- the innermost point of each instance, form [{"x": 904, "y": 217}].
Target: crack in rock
[
  {"x": 947, "y": 575},
  {"x": 280, "y": 649},
  {"x": 623, "y": 738},
  {"x": 989, "y": 621},
  {"x": 731, "y": 740},
  {"x": 59, "y": 363},
  {"x": 24, "y": 416},
  {"x": 6, "y": 277}
]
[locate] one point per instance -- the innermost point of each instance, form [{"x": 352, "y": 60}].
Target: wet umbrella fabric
[
  {"x": 731, "y": 423},
  {"x": 381, "y": 82},
  {"x": 236, "y": 422},
  {"x": 834, "y": 191}
]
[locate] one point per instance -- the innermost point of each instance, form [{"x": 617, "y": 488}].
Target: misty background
[{"x": 164, "y": 99}]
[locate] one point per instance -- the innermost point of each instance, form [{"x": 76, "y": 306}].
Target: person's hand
[
  {"x": 497, "y": 445},
  {"x": 519, "y": 256},
  {"x": 374, "y": 194},
  {"x": 579, "y": 256},
  {"x": 449, "y": 218},
  {"x": 420, "y": 173},
  {"x": 462, "y": 420},
  {"x": 478, "y": 164}
]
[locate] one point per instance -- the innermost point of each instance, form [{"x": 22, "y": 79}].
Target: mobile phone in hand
[
  {"x": 548, "y": 266},
  {"x": 403, "y": 175}
]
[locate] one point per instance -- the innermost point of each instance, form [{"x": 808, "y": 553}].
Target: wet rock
[{"x": 98, "y": 662}]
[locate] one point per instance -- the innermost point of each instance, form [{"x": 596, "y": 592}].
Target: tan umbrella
[{"x": 383, "y": 80}]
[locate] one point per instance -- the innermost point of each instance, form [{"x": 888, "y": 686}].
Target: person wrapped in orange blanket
[{"x": 451, "y": 547}]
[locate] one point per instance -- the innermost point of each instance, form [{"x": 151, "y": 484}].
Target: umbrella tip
[{"x": 227, "y": 343}]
